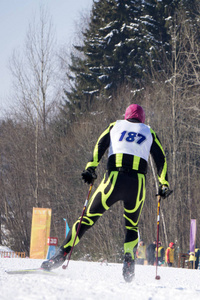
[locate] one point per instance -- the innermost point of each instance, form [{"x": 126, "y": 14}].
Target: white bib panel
[{"x": 130, "y": 138}]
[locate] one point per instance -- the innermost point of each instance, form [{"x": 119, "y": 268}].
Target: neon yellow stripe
[
  {"x": 95, "y": 161},
  {"x": 87, "y": 221},
  {"x": 128, "y": 247},
  {"x": 141, "y": 180},
  {"x": 104, "y": 196},
  {"x": 136, "y": 161},
  {"x": 130, "y": 221},
  {"x": 162, "y": 176},
  {"x": 131, "y": 228},
  {"x": 71, "y": 241},
  {"x": 118, "y": 159}
]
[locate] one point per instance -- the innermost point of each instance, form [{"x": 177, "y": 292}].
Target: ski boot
[
  {"x": 128, "y": 268},
  {"x": 55, "y": 261}
]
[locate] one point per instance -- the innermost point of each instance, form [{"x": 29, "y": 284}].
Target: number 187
[{"x": 132, "y": 137}]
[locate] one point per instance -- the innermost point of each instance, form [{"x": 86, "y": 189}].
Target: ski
[{"x": 31, "y": 271}]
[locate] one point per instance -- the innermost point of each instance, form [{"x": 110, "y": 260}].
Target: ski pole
[
  {"x": 79, "y": 225},
  {"x": 158, "y": 225}
]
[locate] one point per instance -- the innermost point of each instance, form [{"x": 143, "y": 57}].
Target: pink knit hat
[{"x": 135, "y": 111}]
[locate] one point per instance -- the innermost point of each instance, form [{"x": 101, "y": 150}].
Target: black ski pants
[{"x": 128, "y": 187}]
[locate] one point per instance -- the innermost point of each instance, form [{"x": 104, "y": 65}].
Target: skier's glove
[
  {"x": 89, "y": 175},
  {"x": 164, "y": 191}
]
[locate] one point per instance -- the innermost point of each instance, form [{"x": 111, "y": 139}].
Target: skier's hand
[
  {"x": 89, "y": 175},
  {"x": 164, "y": 191}
]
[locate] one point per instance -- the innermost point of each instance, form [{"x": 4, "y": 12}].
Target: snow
[
  {"x": 103, "y": 77},
  {"x": 110, "y": 35},
  {"x": 94, "y": 280},
  {"x": 108, "y": 26}
]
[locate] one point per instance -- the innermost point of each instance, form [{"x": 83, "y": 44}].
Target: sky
[
  {"x": 15, "y": 17},
  {"x": 96, "y": 281}
]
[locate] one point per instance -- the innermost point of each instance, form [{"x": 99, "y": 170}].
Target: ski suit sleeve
[
  {"x": 159, "y": 158},
  {"x": 101, "y": 146}
]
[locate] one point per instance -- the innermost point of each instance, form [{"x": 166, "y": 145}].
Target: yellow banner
[{"x": 40, "y": 231}]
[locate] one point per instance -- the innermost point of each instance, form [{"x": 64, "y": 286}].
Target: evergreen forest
[{"x": 125, "y": 51}]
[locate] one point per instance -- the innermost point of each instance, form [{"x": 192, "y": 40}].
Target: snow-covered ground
[{"x": 96, "y": 281}]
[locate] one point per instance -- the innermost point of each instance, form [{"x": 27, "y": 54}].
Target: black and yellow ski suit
[{"x": 129, "y": 144}]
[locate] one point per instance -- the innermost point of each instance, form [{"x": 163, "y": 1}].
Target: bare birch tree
[{"x": 34, "y": 80}]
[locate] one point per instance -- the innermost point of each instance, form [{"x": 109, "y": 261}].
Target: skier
[
  {"x": 130, "y": 142},
  {"x": 169, "y": 255}
]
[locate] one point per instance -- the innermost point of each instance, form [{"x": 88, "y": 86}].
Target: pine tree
[
  {"x": 113, "y": 49},
  {"x": 157, "y": 17},
  {"x": 125, "y": 39}
]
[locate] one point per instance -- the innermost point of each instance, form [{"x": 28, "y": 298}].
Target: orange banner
[{"x": 40, "y": 231}]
